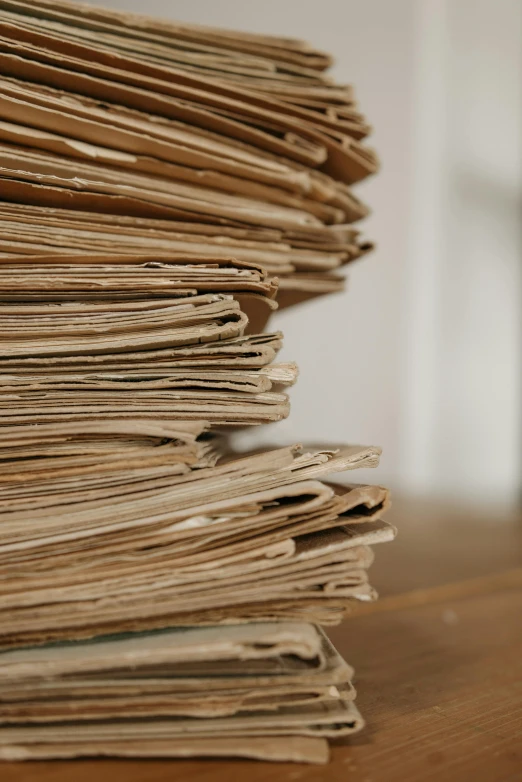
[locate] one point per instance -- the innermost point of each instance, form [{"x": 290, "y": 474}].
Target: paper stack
[
  {"x": 206, "y": 141},
  {"x": 164, "y": 188},
  {"x": 108, "y": 540},
  {"x": 150, "y": 340},
  {"x": 268, "y": 690}
]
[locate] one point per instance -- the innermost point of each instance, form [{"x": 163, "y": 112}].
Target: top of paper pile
[{"x": 201, "y": 141}]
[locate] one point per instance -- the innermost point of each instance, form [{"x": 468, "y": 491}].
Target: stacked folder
[{"x": 163, "y": 189}]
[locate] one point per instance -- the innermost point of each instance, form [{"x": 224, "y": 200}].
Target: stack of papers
[
  {"x": 115, "y": 535},
  {"x": 147, "y": 340},
  {"x": 93, "y": 548},
  {"x": 164, "y": 189},
  {"x": 263, "y": 690},
  {"x": 200, "y": 140}
]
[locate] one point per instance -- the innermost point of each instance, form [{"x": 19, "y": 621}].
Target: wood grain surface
[{"x": 438, "y": 662}]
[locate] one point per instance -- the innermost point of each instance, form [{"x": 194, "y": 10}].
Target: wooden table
[{"x": 438, "y": 662}]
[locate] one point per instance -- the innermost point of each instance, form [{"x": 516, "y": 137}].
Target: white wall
[
  {"x": 462, "y": 362},
  {"x": 422, "y": 355}
]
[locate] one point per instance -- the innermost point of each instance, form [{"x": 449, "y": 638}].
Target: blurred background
[{"x": 423, "y": 354}]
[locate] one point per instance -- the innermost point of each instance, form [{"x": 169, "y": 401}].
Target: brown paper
[{"x": 164, "y": 188}]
